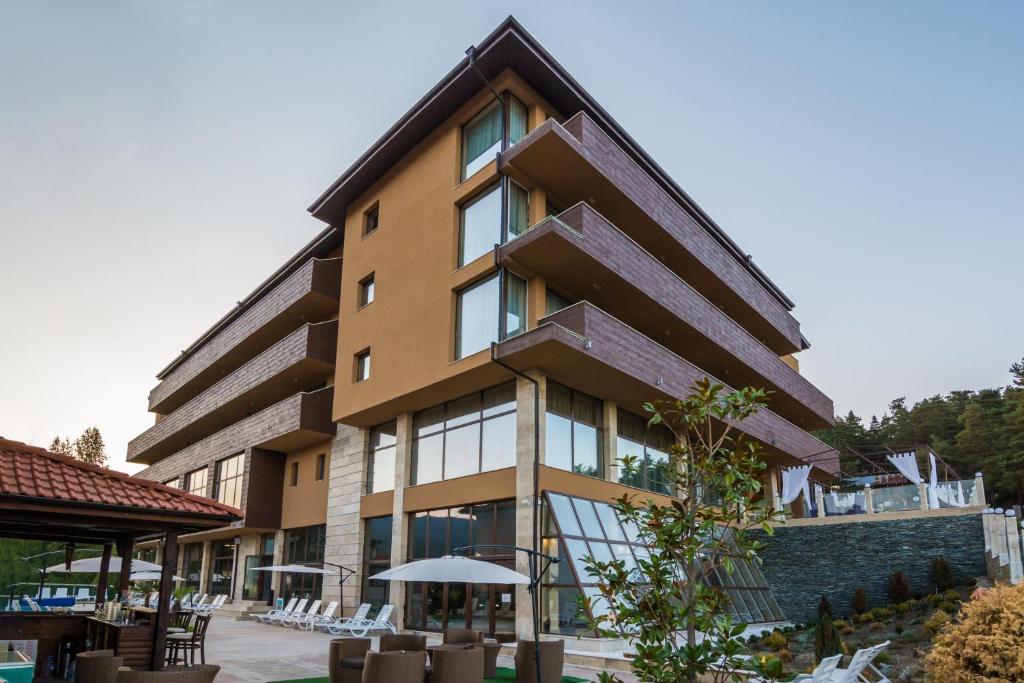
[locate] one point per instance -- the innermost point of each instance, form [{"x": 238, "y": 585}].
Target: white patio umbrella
[
  {"x": 151, "y": 576},
  {"x": 91, "y": 565},
  {"x": 453, "y": 569}
]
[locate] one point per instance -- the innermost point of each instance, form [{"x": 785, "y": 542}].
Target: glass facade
[
  {"x": 222, "y": 567},
  {"x": 573, "y": 431},
  {"x": 480, "y": 227},
  {"x": 380, "y": 475},
  {"x": 437, "y": 606},
  {"x": 518, "y": 209},
  {"x": 650, "y": 446},
  {"x": 376, "y": 558},
  {"x": 304, "y": 545},
  {"x": 575, "y": 528},
  {"x": 228, "y": 482},
  {"x": 475, "y": 433},
  {"x": 478, "y": 314}
]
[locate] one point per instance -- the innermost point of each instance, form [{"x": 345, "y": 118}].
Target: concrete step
[{"x": 240, "y": 610}]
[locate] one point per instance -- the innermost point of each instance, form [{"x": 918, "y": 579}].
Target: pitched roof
[{"x": 35, "y": 473}]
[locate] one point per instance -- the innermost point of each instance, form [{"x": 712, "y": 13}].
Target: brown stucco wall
[{"x": 305, "y": 503}]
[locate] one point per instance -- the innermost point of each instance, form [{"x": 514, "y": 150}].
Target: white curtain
[
  {"x": 960, "y": 502},
  {"x": 793, "y": 481},
  {"x": 933, "y": 483},
  {"x": 906, "y": 463},
  {"x": 808, "y": 501}
]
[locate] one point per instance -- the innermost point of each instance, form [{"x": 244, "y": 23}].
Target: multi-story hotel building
[{"x": 461, "y": 357}]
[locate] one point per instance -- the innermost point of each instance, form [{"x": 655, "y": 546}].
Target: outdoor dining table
[{"x": 491, "y": 650}]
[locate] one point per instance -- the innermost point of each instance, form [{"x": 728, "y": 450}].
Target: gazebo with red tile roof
[{"x": 51, "y": 497}]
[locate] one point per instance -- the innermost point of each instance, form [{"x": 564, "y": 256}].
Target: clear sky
[{"x": 156, "y": 160}]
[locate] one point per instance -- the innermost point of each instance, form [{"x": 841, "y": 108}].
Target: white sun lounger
[
  {"x": 382, "y": 622},
  {"x": 334, "y": 627},
  {"x": 325, "y": 617},
  {"x": 274, "y": 613},
  {"x": 298, "y": 617},
  {"x": 861, "y": 661},
  {"x": 298, "y": 609}
]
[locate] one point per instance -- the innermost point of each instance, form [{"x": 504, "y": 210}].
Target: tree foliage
[
  {"x": 666, "y": 605},
  {"x": 88, "y": 447},
  {"x": 973, "y": 431},
  {"x": 826, "y": 636},
  {"x": 984, "y": 643}
]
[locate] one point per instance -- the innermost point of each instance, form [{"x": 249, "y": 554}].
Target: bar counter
[
  {"x": 48, "y": 629},
  {"x": 132, "y": 640}
]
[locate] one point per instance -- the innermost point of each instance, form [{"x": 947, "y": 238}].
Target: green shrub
[
  {"x": 776, "y": 640},
  {"x": 936, "y": 621},
  {"x": 942, "y": 574},
  {"x": 985, "y": 642},
  {"x": 952, "y": 595},
  {"x": 899, "y": 587},
  {"x": 860, "y": 601},
  {"x": 882, "y": 658},
  {"x": 826, "y": 637},
  {"x": 880, "y": 614},
  {"x": 933, "y": 599},
  {"x": 903, "y": 607},
  {"x": 841, "y": 623},
  {"x": 948, "y": 607},
  {"x": 862, "y": 618}
]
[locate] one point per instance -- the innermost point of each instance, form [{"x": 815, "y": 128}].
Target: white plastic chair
[
  {"x": 382, "y": 622},
  {"x": 859, "y": 663},
  {"x": 45, "y": 594},
  {"x": 61, "y": 592},
  {"x": 83, "y": 595},
  {"x": 298, "y": 609},
  {"x": 275, "y": 613},
  {"x": 334, "y": 627},
  {"x": 821, "y": 674},
  {"x": 325, "y": 617}
]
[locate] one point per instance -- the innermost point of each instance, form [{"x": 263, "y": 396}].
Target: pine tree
[
  {"x": 89, "y": 447},
  {"x": 826, "y": 635}
]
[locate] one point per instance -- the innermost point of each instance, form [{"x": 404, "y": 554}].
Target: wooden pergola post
[
  {"x": 101, "y": 584},
  {"x": 125, "y": 545},
  {"x": 163, "y": 608}
]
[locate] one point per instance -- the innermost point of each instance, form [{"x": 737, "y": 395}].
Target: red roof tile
[{"x": 34, "y": 472}]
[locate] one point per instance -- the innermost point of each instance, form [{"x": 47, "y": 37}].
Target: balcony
[
  {"x": 304, "y": 358},
  {"x": 587, "y": 257},
  {"x": 590, "y": 350},
  {"x": 310, "y": 294},
  {"x": 578, "y": 162}
]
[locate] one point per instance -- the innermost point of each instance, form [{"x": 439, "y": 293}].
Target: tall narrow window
[
  {"x": 517, "y": 124},
  {"x": 321, "y": 466},
  {"x": 650, "y": 447},
  {"x": 480, "y": 225},
  {"x": 518, "y": 209},
  {"x": 366, "y": 290},
  {"x": 477, "y": 317},
  {"x": 363, "y": 366},
  {"x": 573, "y": 439},
  {"x": 481, "y": 140},
  {"x": 371, "y": 220},
  {"x": 196, "y": 480},
  {"x": 381, "y": 466},
  {"x": 515, "y": 305},
  {"x": 294, "y": 475},
  {"x": 554, "y": 303}
]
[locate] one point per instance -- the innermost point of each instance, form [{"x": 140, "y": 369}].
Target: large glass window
[
  {"x": 575, "y": 528},
  {"x": 435, "y": 606},
  {"x": 650, "y": 446},
  {"x": 228, "y": 482},
  {"x": 481, "y": 140},
  {"x": 475, "y": 433},
  {"x": 304, "y": 545},
  {"x": 573, "y": 426},
  {"x": 192, "y": 565},
  {"x": 376, "y": 558},
  {"x": 518, "y": 209},
  {"x": 480, "y": 227},
  {"x": 222, "y": 567},
  {"x": 196, "y": 480},
  {"x": 381, "y": 470},
  {"x": 478, "y": 321},
  {"x": 517, "y": 120}
]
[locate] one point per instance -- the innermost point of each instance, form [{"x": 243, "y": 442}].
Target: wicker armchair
[
  {"x": 173, "y": 674},
  {"x": 552, "y": 655},
  {"x": 390, "y": 642},
  {"x": 98, "y": 666},
  {"x": 395, "y": 667},
  {"x": 459, "y": 636},
  {"x": 457, "y": 666},
  {"x": 346, "y": 658}
]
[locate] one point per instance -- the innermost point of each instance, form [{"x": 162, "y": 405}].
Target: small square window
[
  {"x": 294, "y": 481},
  {"x": 321, "y": 466},
  {"x": 363, "y": 366},
  {"x": 366, "y": 290},
  {"x": 371, "y": 220}
]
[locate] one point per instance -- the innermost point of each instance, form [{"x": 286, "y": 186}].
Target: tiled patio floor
[{"x": 249, "y": 651}]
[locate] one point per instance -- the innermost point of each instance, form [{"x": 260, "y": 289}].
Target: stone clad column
[
  {"x": 986, "y": 528},
  {"x": 526, "y": 419},
  {"x": 999, "y": 537},
  {"x": 400, "y": 520},
  {"x": 819, "y": 496},
  {"x": 922, "y": 492},
  {"x": 344, "y": 541},
  {"x": 979, "y": 489},
  {"x": 610, "y": 420},
  {"x": 204, "y": 572},
  {"x": 1013, "y": 548},
  {"x": 869, "y": 500}
]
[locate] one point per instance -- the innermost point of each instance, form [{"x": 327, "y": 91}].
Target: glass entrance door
[{"x": 257, "y": 585}]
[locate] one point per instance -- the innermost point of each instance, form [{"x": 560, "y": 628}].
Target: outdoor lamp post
[{"x": 535, "y": 578}]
